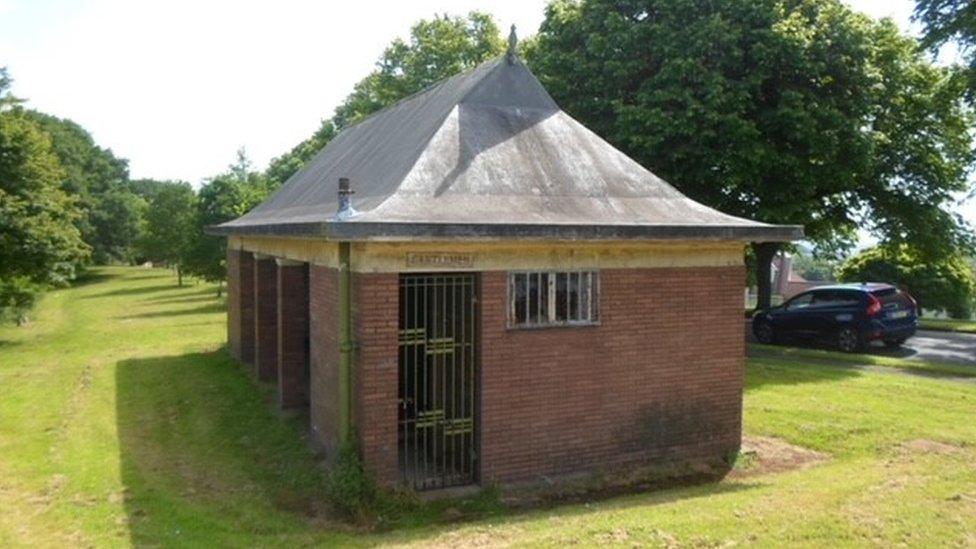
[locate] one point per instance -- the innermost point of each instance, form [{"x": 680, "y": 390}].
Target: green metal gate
[{"x": 438, "y": 376}]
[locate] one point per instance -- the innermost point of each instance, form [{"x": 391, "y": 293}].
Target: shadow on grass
[
  {"x": 93, "y": 277},
  {"x": 217, "y": 307},
  {"x": 773, "y": 369},
  {"x": 194, "y": 297},
  {"x": 204, "y": 459},
  {"x": 203, "y": 456},
  {"x": 137, "y": 290}
]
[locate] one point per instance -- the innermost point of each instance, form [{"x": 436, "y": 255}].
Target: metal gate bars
[{"x": 438, "y": 380}]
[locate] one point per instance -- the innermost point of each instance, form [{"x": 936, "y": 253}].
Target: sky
[{"x": 177, "y": 87}]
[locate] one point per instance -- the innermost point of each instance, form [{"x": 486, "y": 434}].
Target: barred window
[{"x": 549, "y": 298}]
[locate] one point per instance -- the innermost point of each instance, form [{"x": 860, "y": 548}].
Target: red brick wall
[
  {"x": 266, "y": 319},
  {"x": 292, "y": 334},
  {"x": 376, "y": 300},
  {"x": 660, "y": 378},
  {"x": 240, "y": 304},
  {"x": 323, "y": 285}
]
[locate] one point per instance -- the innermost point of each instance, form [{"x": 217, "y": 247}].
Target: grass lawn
[
  {"x": 947, "y": 325},
  {"x": 123, "y": 422}
]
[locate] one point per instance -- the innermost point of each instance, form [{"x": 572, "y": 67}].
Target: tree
[
  {"x": 98, "y": 179},
  {"x": 780, "y": 111},
  {"x": 39, "y": 243},
  {"x": 921, "y": 150},
  {"x": 951, "y": 21},
  {"x": 948, "y": 284},
  {"x": 147, "y": 189},
  {"x": 116, "y": 225},
  {"x": 170, "y": 226},
  {"x": 223, "y": 198},
  {"x": 438, "y": 48},
  {"x": 812, "y": 267}
]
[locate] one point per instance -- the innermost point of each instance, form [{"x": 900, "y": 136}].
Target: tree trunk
[
  {"x": 179, "y": 275},
  {"x": 764, "y": 252},
  {"x": 220, "y": 288}
]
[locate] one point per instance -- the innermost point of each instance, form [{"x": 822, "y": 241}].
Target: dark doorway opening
[
  {"x": 438, "y": 376},
  {"x": 307, "y": 346}
]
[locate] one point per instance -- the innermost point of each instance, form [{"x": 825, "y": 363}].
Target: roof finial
[{"x": 512, "y": 42}]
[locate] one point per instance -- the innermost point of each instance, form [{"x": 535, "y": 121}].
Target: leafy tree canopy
[
  {"x": 40, "y": 245},
  {"x": 951, "y": 21},
  {"x": 812, "y": 267},
  {"x": 437, "y": 48},
  {"x": 170, "y": 226},
  {"x": 223, "y": 198},
  {"x": 98, "y": 180},
  {"x": 947, "y": 284},
  {"x": 798, "y": 112}
]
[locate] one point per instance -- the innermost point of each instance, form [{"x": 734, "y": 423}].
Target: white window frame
[{"x": 591, "y": 279}]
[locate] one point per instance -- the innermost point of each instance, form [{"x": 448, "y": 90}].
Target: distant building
[
  {"x": 787, "y": 282},
  {"x": 475, "y": 288}
]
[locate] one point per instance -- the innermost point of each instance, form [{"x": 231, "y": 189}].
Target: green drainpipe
[{"x": 345, "y": 345}]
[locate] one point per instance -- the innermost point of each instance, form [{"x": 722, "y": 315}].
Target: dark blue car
[{"x": 849, "y": 315}]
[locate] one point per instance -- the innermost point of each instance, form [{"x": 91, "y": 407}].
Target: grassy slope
[
  {"x": 122, "y": 422},
  {"x": 948, "y": 325}
]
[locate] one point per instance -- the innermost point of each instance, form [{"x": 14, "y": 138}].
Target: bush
[
  {"x": 350, "y": 489},
  {"x": 17, "y": 297},
  {"x": 946, "y": 283}
]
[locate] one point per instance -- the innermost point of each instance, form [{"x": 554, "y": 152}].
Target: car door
[{"x": 793, "y": 317}]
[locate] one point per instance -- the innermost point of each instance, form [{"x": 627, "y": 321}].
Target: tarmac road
[{"x": 925, "y": 345}]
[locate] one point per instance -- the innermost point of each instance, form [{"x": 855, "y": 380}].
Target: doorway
[{"x": 438, "y": 380}]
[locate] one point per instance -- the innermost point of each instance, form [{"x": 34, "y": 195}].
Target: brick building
[{"x": 474, "y": 288}]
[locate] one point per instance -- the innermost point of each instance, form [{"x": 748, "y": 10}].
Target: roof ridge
[
  {"x": 389, "y": 108},
  {"x": 429, "y": 89}
]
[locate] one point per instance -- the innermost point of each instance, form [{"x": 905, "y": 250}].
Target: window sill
[{"x": 533, "y": 327}]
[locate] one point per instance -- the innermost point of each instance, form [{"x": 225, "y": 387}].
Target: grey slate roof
[{"x": 486, "y": 154}]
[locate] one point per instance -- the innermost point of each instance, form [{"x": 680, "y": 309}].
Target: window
[
  {"x": 799, "y": 302},
  {"x": 547, "y": 298}
]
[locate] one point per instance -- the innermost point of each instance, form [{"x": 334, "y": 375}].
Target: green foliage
[
  {"x": 350, "y": 489},
  {"x": 811, "y": 267},
  {"x": 147, "y": 189},
  {"x": 921, "y": 149},
  {"x": 438, "y": 48},
  {"x": 951, "y": 21},
  {"x": 116, "y": 225},
  {"x": 18, "y": 295},
  {"x": 98, "y": 180},
  {"x": 223, "y": 198},
  {"x": 170, "y": 226},
  {"x": 947, "y": 284},
  {"x": 7, "y": 99},
  {"x": 799, "y": 112},
  {"x": 160, "y": 439},
  {"x": 40, "y": 245}
]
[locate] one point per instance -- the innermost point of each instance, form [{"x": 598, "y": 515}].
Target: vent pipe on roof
[
  {"x": 345, "y": 208},
  {"x": 512, "y": 42}
]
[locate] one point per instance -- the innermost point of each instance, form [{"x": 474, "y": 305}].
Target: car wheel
[
  {"x": 765, "y": 333},
  {"x": 894, "y": 343},
  {"x": 848, "y": 340}
]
